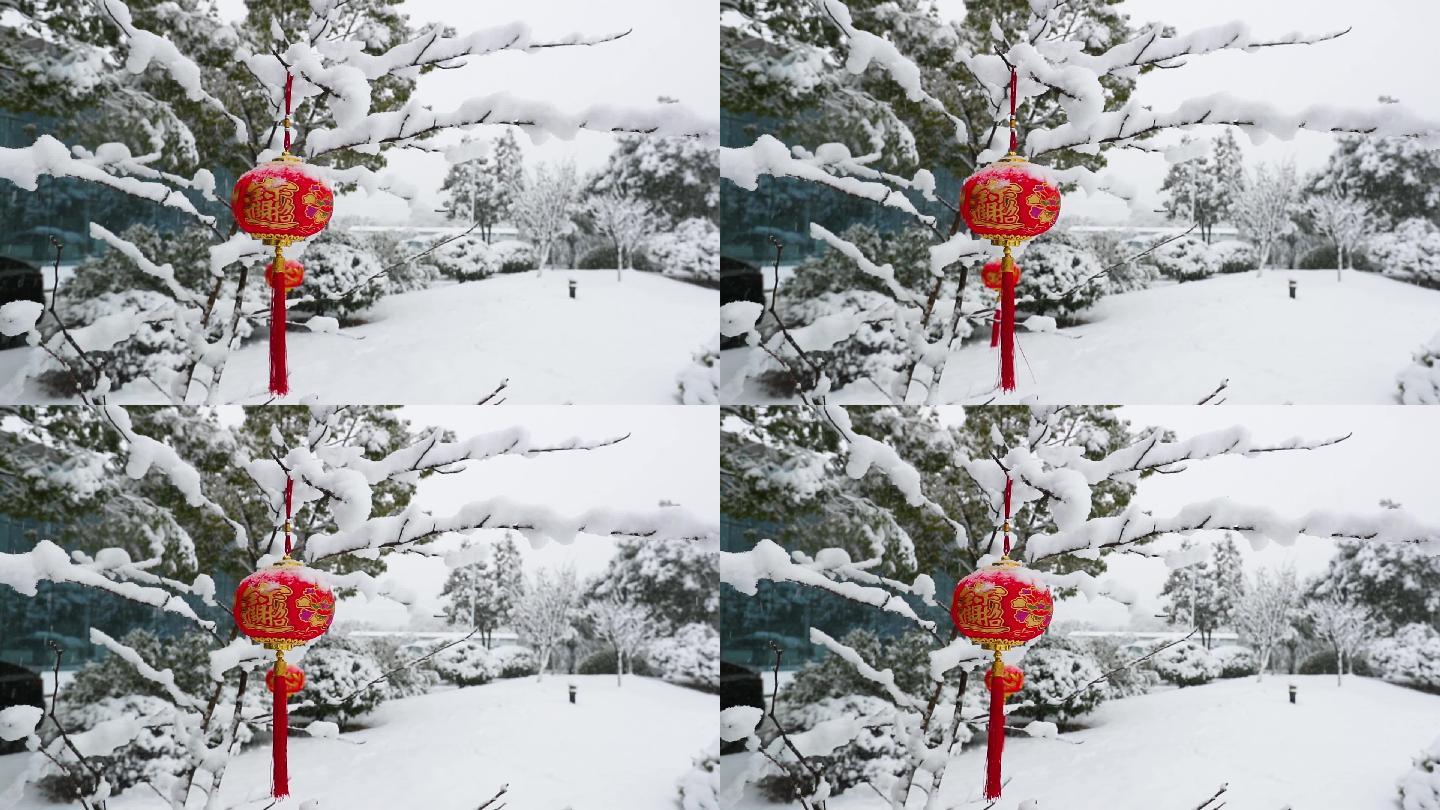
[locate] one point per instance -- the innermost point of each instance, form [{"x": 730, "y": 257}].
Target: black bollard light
[
  {"x": 572, "y": 686},
  {"x": 1292, "y": 288},
  {"x": 1292, "y": 686},
  {"x": 572, "y": 295}
]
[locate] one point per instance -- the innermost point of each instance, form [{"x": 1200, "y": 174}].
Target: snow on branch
[
  {"x": 24, "y": 166},
  {"x": 435, "y": 454},
  {"x": 1258, "y": 523},
  {"x": 436, "y": 49},
  {"x": 885, "y": 678},
  {"x": 47, "y": 562},
  {"x": 744, "y": 165},
  {"x": 743, "y": 571},
  {"x": 163, "y": 678},
  {"x": 539, "y": 524},
  {"x": 539, "y": 118}
]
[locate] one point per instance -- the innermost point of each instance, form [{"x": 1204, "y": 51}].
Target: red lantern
[
  {"x": 991, "y": 274},
  {"x": 1012, "y": 681},
  {"x": 289, "y": 278},
  {"x": 1009, "y": 202},
  {"x": 999, "y": 607},
  {"x": 281, "y": 608},
  {"x": 294, "y": 679},
  {"x": 280, "y": 203}
]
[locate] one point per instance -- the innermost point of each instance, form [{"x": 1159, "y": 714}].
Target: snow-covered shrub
[
  {"x": 875, "y": 351},
  {"x": 1420, "y": 381},
  {"x": 393, "y": 657},
  {"x": 602, "y": 662},
  {"x": 110, "y": 286},
  {"x": 515, "y": 661},
  {"x": 1411, "y": 252},
  {"x": 1113, "y": 657},
  {"x": 186, "y": 655},
  {"x": 1420, "y": 786},
  {"x": 1235, "y": 255},
  {"x": 875, "y": 756},
  {"x": 604, "y": 257},
  {"x": 337, "y": 266},
  {"x": 699, "y": 382},
  {"x": 1235, "y": 661},
  {"x": 1187, "y": 664},
  {"x": 466, "y": 259},
  {"x": 1322, "y": 662},
  {"x": 336, "y": 676},
  {"x": 690, "y": 251},
  {"x": 700, "y": 786},
  {"x": 514, "y": 255},
  {"x": 691, "y": 656},
  {"x": 1186, "y": 259},
  {"x": 1053, "y": 673},
  {"x": 1051, "y": 273},
  {"x": 467, "y": 664},
  {"x": 155, "y": 755},
  {"x": 1410, "y": 657},
  {"x": 907, "y": 656},
  {"x": 402, "y": 274}
]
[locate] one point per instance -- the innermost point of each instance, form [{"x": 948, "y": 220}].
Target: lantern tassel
[
  {"x": 995, "y": 329},
  {"x": 279, "y": 371},
  {"x": 995, "y": 745},
  {"x": 1007, "y": 321},
  {"x": 280, "y": 768}
]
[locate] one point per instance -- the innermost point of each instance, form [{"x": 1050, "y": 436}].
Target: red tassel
[
  {"x": 995, "y": 744},
  {"x": 280, "y": 744},
  {"x": 995, "y": 329},
  {"x": 279, "y": 372},
  {"x": 1007, "y": 323}
]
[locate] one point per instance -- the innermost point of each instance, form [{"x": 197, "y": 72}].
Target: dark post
[
  {"x": 1292, "y": 694},
  {"x": 572, "y": 288},
  {"x": 572, "y": 686},
  {"x": 1292, "y": 289}
]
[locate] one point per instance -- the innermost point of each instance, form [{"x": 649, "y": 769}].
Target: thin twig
[
  {"x": 1062, "y": 701},
  {"x": 387, "y": 673}
]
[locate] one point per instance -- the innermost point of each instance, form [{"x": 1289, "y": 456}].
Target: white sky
[
  {"x": 672, "y": 454},
  {"x": 1391, "y": 455},
  {"x": 1390, "y": 52},
  {"x": 673, "y": 51}
]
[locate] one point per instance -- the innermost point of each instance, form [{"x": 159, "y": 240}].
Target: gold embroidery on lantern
[
  {"x": 271, "y": 204},
  {"x": 319, "y": 607},
  {"x": 322, "y": 204},
  {"x": 997, "y": 208},
  {"x": 1046, "y": 202},
  {"x": 262, "y": 609},
  {"x": 981, "y": 611},
  {"x": 1037, "y": 613}
]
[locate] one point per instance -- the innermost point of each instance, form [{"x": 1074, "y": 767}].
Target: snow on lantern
[
  {"x": 999, "y": 607},
  {"x": 281, "y": 202},
  {"x": 281, "y": 607},
  {"x": 1009, "y": 202}
]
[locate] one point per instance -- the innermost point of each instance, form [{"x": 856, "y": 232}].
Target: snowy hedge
[
  {"x": 1410, "y": 657},
  {"x": 466, "y": 259},
  {"x": 335, "y": 679},
  {"x": 1187, "y": 664},
  {"x": 150, "y": 754},
  {"x": 467, "y": 664},
  {"x": 691, "y": 656},
  {"x": 1235, "y": 256},
  {"x": 874, "y": 757},
  {"x": 1420, "y": 381},
  {"x": 514, "y": 255},
  {"x": 1411, "y": 252},
  {"x": 700, "y": 786},
  {"x": 1053, "y": 673},
  {"x": 1235, "y": 661},
  {"x": 690, "y": 251},
  {"x": 1420, "y": 786},
  {"x": 515, "y": 661},
  {"x": 1051, "y": 279},
  {"x": 342, "y": 272},
  {"x": 699, "y": 382},
  {"x": 1186, "y": 259}
]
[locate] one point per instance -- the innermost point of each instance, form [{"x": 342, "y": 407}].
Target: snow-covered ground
[
  {"x": 1338, "y": 342},
  {"x": 1338, "y": 748},
  {"x": 617, "y": 342},
  {"x": 617, "y": 747}
]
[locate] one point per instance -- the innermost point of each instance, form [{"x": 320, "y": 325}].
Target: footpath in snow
[
  {"x": 1338, "y": 342},
  {"x": 616, "y": 342},
  {"x": 617, "y": 747},
  {"x": 1337, "y": 748}
]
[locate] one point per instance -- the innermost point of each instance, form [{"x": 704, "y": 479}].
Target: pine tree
[{"x": 483, "y": 594}]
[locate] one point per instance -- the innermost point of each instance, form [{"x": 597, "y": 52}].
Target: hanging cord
[
  {"x": 290, "y": 501},
  {"x": 1014, "y": 130},
  {"x": 1009, "y": 488},
  {"x": 290, "y": 84}
]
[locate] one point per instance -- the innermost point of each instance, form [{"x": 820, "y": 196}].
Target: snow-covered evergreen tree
[
  {"x": 1204, "y": 595},
  {"x": 1203, "y": 189},
  {"x": 483, "y": 594}
]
